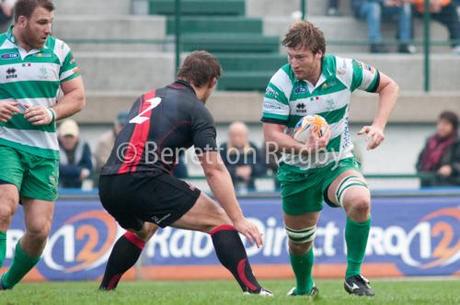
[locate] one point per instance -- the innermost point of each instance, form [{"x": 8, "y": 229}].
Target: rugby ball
[{"x": 307, "y": 125}]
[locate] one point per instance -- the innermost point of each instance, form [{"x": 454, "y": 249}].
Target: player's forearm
[
  {"x": 221, "y": 185},
  {"x": 387, "y": 100},
  {"x": 70, "y": 104},
  {"x": 282, "y": 142}
]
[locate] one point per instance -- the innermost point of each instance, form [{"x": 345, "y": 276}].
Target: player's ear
[
  {"x": 319, "y": 54},
  {"x": 22, "y": 21},
  {"x": 212, "y": 83}
]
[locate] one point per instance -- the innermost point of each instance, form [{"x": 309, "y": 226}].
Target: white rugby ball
[{"x": 307, "y": 125}]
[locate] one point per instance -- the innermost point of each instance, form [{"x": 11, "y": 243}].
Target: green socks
[
  {"x": 356, "y": 235},
  {"x": 22, "y": 264},
  {"x": 2, "y": 247},
  {"x": 302, "y": 266}
]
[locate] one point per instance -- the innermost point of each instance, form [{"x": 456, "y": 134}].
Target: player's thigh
[
  {"x": 11, "y": 174},
  {"x": 340, "y": 180},
  {"x": 41, "y": 179},
  {"x": 38, "y": 216},
  {"x": 118, "y": 195},
  {"x": 205, "y": 215},
  {"x": 301, "y": 197},
  {"x": 299, "y": 222}
]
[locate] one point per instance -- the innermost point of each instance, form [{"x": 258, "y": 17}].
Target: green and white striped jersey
[
  {"x": 33, "y": 78},
  {"x": 288, "y": 99}
]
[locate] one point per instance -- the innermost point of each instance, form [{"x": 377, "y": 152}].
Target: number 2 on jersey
[{"x": 139, "y": 119}]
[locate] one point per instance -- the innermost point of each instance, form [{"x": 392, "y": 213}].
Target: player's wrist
[{"x": 51, "y": 114}]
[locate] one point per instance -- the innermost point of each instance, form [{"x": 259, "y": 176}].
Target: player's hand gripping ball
[{"x": 309, "y": 124}]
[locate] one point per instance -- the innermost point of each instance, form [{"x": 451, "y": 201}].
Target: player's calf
[
  {"x": 125, "y": 254},
  {"x": 302, "y": 258},
  {"x": 232, "y": 255}
]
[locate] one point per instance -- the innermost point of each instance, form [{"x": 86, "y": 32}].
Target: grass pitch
[{"x": 394, "y": 292}]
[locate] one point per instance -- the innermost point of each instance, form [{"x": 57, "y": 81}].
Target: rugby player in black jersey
[{"x": 137, "y": 189}]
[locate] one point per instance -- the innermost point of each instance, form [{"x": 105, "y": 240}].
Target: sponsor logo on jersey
[
  {"x": 271, "y": 105},
  {"x": 10, "y": 56},
  {"x": 301, "y": 108},
  {"x": 11, "y": 73},
  {"x": 300, "y": 89},
  {"x": 43, "y": 55},
  {"x": 271, "y": 93}
]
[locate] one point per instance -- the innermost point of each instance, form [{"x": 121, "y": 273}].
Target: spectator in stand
[
  {"x": 75, "y": 162},
  {"x": 106, "y": 141},
  {"x": 441, "y": 154},
  {"x": 6, "y": 14},
  {"x": 333, "y": 8},
  {"x": 374, "y": 11},
  {"x": 446, "y": 12},
  {"x": 242, "y": 158}
]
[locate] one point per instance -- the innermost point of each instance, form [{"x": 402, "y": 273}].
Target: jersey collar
[
  {"x": 182, "y": 83},
  {"x": 326, "y": 75}
]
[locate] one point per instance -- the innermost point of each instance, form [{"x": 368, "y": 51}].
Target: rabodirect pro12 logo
[
  {"x": 80, "y": 245},
  {"x": 445, "y": 236}
]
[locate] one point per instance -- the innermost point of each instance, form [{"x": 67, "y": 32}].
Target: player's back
[{"x": 161, "y": 123}]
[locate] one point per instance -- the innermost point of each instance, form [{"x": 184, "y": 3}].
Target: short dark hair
[
  {"x": 304, "y": 34},
  {"x": 27, "y": 7},
  {"x": 199, "y": 68},
  {"x": 450, "y": 117}
]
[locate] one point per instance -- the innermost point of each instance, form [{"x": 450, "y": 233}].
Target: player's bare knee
[
  {"x": 146, "y": 232},
  {"x": 358, "y": 205},
  {"x": 39, "y": 230},
  {"x": 7, "y": 210},
  {"x": 299, "y": 249}
]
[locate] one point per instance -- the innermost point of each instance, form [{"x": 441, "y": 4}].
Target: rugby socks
[
  {"x": 356, "y": 235},
  {"x": 2, "y": 247},
  {"x": 302, "y": 266},
  {"x": 125, "y": 254},
  {"x": 22, "y": 263},
  {"x": 232, "y": 255}
]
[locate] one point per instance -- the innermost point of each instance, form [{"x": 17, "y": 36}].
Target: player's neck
[
  {"x": 313, "y": 79},
  {"x": 20, "y": 40},
  {"x": 201, "y": 92}
]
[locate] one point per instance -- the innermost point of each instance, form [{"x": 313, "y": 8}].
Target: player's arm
[
  {"x": 365, "y": 77},
  {"x": 277, "y": 140},
  {"x": 73, "y": 100},
  {"x": 217, "y": 175},
  {"x": 221, "y": 185},
  {"x": 388, "y": 91}
]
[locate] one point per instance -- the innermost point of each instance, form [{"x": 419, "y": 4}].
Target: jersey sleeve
[
  {"x": 365, "y": 77},
  {"x": 203, "y": 129},
  {"x": 276, "y": 98},
  {"x": 69, "y": 68}
]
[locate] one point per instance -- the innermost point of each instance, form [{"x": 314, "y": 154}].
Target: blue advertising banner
[{"x": 409, "y": 236}]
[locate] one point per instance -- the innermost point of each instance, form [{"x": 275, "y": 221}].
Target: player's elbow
[
  {"x": 80, "y": 101},
  {"x": 213, "y": 170},
  {"x": 395, "y": 87}
]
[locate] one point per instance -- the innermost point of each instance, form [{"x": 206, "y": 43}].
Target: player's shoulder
[
  {"x": 283, "y": 79},
  {"x": 58, "y": 47},
  {"x": 340, "y": 67},
  {"x": 285, "y": 73}
]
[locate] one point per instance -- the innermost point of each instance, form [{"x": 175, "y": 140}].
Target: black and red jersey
[{"x": 161, "y": 123}]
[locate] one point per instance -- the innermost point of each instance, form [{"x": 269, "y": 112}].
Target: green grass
[{"x": 394, "y": 292}]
